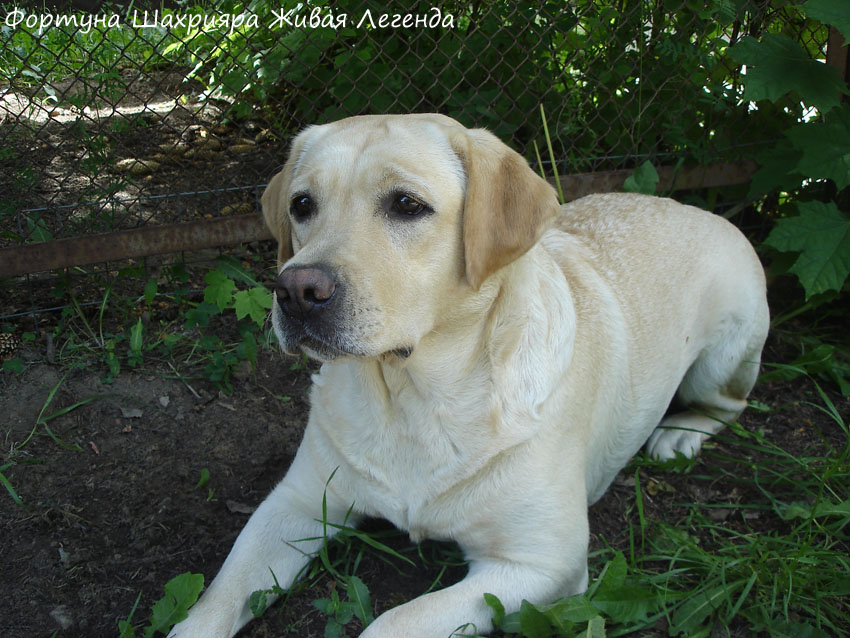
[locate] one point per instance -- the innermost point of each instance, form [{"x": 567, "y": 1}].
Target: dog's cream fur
[{"x": 489, "y": 364}]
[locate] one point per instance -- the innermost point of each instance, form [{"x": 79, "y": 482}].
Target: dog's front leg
[
  {"x": 461, "y": 608},
  {"x": 275, "y": 544}
]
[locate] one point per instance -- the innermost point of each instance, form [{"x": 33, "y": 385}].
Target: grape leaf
[
  {"x": 643, "y": 180},
  {"x": 254, "y": 302},
  {"x": 826, "y": 147},
  {"x": 219, "y": 290},
  {"x": 777, "y": 169},
  {"x": 831, "y": 12},
  {"x": 777, "y": 65},
  {"x": 821, "y": 234}
]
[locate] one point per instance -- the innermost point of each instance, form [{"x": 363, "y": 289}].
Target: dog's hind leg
[{"x": 714, "y": 390}]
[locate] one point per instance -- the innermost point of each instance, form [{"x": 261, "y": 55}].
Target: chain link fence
[{"x": 134, "y": 116}]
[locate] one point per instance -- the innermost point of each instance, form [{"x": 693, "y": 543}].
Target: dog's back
[{"x": 690, "y": 290}]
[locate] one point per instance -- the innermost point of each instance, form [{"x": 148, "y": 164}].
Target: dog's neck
[
  {"x": 504, "y": 339},
  {"x": 468, "y": 391}
]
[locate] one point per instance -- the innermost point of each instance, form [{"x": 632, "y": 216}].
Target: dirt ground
[{"x": 117, "y": 512}]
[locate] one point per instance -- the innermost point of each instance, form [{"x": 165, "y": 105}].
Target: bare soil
[{"x": 116, "y": 511}]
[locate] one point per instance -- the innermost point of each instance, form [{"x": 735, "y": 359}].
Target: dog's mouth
[
  {"x": 322, "y": 351},
  {"x": 315, "y": 345},
  {"x": 325, "y": 342}
]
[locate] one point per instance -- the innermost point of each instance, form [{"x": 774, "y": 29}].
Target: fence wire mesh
[{"x": 115, "y": 117}]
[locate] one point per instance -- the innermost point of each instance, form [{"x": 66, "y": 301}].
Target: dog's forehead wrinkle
[{"x": 411, "y": 148}]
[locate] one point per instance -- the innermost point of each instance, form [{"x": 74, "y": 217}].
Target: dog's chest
[{"x": 408, "y": 459}]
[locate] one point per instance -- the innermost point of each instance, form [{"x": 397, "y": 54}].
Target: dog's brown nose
[{"x": 302, "y": 289}]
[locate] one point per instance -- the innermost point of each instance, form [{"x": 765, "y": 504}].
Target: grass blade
[{"x": 5, "y": 482}]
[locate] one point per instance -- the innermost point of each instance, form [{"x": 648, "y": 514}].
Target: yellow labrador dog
[{"x": 490, "y": 359}]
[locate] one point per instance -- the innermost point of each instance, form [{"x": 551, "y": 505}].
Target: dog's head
[{"x": 387, "y": 224}]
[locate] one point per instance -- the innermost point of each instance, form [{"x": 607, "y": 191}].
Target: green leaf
[
  {"x": 358, "y": 594},
  {"x": 324, "y": 605},
  {"x": 334, "y": 629},
  {"x": 629, "y": 603},
  {"x": 200, "y": 317},
  {"x": 498, "y": 608},
  {"x": 150, "y": 291},
  {"x": 821, "y": 234},
  {"x": 136, "y": 337},
  {"x": 344, "y": 613},
  {"x": 643, "y": 180},
  {"x": 777, "y": 65},
  {"x": 595, "y": 629},
  {"x": 14, "y": 365},
  {"x": 205, "y": 478},
  {"x": 621, "y": 601},
  {"x": 234, "y": 269},
  {"x": 254, "y": 302},
  {"x": 533, "y": 622},
  {"x": 38, "y": 230},
  {"x": 510, "y": 624},
  {"x": 820, "y": 359},
  {"x": 219, "y": 290},
  {"x": 694, "y": 611},
  {"x": 826, "y": 147},
  {"x": 181, "y": 592},
  {"x": 821, "y": 508},
  {"x": 567, "y": 611},
  {"x": 831, "y": 12},
  {"x": 5, "y": 483},
  {"x": 125, "y": 629},
  {"x": 247, "y": 350},
  {"x": 259, "y": 602},
  {"x": 777, "y": 170},
  {"x": 613, "y": 574},
  {"x": 779, "y": 628}
]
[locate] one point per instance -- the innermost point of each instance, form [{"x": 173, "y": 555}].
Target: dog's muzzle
[{"x": 309, "y": 314}]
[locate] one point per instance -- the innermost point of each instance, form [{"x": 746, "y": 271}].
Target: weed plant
[
  {"x": 775, "y": 563},
  {"x": 769, "y": 558}
]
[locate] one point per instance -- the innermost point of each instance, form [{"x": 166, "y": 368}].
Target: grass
[
  {"x": 777, "y": 564},
  {"x": 765, "y": 554},
  {"x": 768, "y": 555},
  {"x": 16, "y": 454},
  {"x": 109, "y": 336},
  {"x": 209, "y": 332}
]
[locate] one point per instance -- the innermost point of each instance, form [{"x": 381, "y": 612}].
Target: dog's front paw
[{"x": 684, "y": 433}]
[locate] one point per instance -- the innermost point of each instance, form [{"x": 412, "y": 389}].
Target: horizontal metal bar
[
  {"x": 128, "y": 244},
  {"x": 226, "y": 231},
  {"x": 708, "y": 176}
]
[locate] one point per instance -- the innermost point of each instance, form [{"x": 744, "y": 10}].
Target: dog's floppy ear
[
  {"x": 275, "y": 201},
  {"x": 507, "y": 206},
  {"x": 275, "y": 214}
]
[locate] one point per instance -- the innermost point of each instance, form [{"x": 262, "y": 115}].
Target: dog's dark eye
[
  {"x": 406, "y": 206},
  {"x": 301, "y": 207}
]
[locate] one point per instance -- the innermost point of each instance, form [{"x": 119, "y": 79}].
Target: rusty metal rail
[
  {"x": 708, "y": 176},
  {"x": 131, "y": 244},
  {"x": 228, "y": 231}
]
